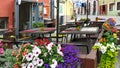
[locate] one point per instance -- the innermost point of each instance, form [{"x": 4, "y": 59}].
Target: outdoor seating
[
  {"x": 9, "y": 39},
  {"x": 60, "y": 36}
]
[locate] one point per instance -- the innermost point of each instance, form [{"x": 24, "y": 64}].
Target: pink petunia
[{"x": 1, "y": 50}]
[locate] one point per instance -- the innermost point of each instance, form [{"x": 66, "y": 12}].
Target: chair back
[
  {"x": 8, "y": 35},
  {"x": 62, "y": 27}
]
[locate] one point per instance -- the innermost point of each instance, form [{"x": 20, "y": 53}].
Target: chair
[
  {"x": 62, "y": 36},
  {"x": 9, "y": 39}
]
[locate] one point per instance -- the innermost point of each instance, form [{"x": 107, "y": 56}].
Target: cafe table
[
  {"x": 84, "y": 30},
  {"x": 41, "y": 32},
  {"x": 97, "y": 23}
]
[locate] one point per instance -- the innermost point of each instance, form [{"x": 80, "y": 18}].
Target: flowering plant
[
  {"x": 1, "y": 48},
  {"x": 107, "y": 44},
  {"x": 6, "y": 57},
  {"x": 70, "y": 57},
  {"x": 42, "y": 54}
]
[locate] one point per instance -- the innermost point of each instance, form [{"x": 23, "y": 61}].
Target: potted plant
[
  {"x": 108, "y": 46},
  {"x": 38, "y": 25}
]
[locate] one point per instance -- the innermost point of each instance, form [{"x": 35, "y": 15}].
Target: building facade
[
  {"x": 68, "y": 10},
  {"x": 46, "y": 8},
  {"x": 65, "y": 10},
  {"x": 81, "y": 7},
  {"x": 109, "y": 7},
  {"x": 6, "y": 13}
]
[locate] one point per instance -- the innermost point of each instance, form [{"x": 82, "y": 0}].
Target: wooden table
[
  {"x": 84, "y": 30},
  {"x": 96, "y": 24},
  {"x": 97, "y": 21},
  {"x": 46, "y": 30},
  {"x": 74, "y": 24}
]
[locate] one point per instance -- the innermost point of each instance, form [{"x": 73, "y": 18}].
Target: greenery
[
  {"x": 37, "y": 24},
  {"x": 108, "y": 45},
  {"x": 7, "y": 57}
]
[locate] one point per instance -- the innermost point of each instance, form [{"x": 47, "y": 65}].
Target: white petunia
[
  {"x": 113, "y": 46},
  {"x": 103, "y": 49},
  {"x": 35, "y": 60},
  {"x": 49, "y": 46},
  {"x": 45, "y": 54},
  {"x": 36, "y": 51},
  {"x": 23, "y": 65},
  {"x": 54, "y": 64},
  {"x": 40, "y": 62},
  {"x": 108, "y": 45},
  {"x": 30, "y": 65},
  {"x": 59, "y": 50},
  {"x": 112, "y": 50},
  {"x": 98, "y": 44},
  {"x": 29, "y": 56}
]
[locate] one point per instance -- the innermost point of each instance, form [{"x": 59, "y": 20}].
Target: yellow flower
[
  {"x": 114, "y": 35},
  {"x": 100, "y": 40}
]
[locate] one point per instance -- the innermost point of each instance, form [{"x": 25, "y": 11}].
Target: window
[
  {"x": 3, "y": 22},
  {"x": 111, "y": 6},
  {"x": 118, "y": 6},
  {"x": 33, "y": 11}
]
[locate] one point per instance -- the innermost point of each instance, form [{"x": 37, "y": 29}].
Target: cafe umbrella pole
[{"x": 57, "y": 27}]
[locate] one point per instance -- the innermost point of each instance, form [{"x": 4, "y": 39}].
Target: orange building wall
[
  {"x": 6, "y": 10},
  {"x": 47, "y": 7}
]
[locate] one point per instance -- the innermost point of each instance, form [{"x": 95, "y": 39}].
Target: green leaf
[{"x": 3, "y": 59}]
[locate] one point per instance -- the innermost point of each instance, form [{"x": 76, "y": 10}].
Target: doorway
[{"x": 24, "y": 15}]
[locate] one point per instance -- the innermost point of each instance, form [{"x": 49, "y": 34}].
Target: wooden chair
[{"x": 9, "y": 38}]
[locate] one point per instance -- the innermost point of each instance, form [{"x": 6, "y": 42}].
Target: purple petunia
[
  {"x": 112, "y": 23},
  {"x": 70, "y": 56}
]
